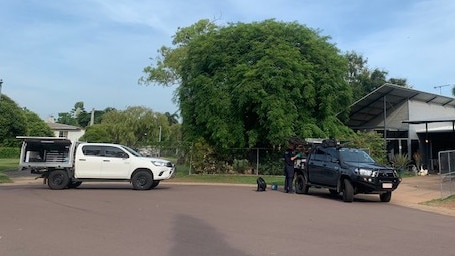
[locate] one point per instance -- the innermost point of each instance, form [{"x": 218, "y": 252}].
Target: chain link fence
[
  {"x": 252, "y": 161},
  {"x": 447, "y": 172}
]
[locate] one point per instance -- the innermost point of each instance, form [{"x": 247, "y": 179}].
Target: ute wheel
[
  {"x": 74, "y": 184},
  {"x": 142, "y": 180},
  {"x": 300, "y": 185},
  {"x": 385, "y": 197},
  {"x": 58, "y": 179},
  {"x": 155, "y": 183},
  {"x": 333, "y": 192},
  {"x": 348, "y": 191}
]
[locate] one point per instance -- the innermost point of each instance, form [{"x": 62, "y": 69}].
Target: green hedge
[{"x": 10, "y": 152}]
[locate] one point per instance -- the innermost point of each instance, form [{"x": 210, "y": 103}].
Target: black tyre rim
[
  {"x": 141, "y": 181},
  {"x": 58, "y": 179}
]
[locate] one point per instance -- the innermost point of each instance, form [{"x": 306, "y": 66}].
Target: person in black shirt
[{"x": 289, "y": 158}]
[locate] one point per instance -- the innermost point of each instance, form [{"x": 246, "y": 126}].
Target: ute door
[
  {"x": 116, "y": 163},
  {"x": 88, "y": 163}
]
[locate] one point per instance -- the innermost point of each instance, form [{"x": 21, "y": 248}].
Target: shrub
[
  {"x": 240, "y": 166},
  {"x": 401, "y": 162}
]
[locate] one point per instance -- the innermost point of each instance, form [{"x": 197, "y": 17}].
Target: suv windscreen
[{"x": 355, "y": 155}]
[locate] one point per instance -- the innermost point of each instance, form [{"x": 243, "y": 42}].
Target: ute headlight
[{"x": 159, "y": 163}]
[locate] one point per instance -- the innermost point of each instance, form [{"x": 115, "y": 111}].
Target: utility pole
[
  {"x": 1, "y": 82},
  {"x": 159, "y": 140}
]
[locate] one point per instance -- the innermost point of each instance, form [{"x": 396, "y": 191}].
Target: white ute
[{"x": 66, "y": 164}]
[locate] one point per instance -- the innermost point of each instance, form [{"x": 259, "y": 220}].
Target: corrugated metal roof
[{"x": 371, "y": 106}]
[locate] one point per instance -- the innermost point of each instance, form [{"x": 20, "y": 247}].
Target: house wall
[
  {"x": 73, "y": 135},
  {"x": 427, "y": 111},
  {"x": 395, "y": 115}
]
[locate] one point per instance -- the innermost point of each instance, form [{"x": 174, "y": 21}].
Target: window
[
  {"x": 319, "y": 155},
  {"x": 92, "y": 150},
  {"x": 63, "y": 134},
  {"x": 110, "y": 151}
]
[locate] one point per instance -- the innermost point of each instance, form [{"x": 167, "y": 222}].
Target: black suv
[{"x": 344, "y": 170}]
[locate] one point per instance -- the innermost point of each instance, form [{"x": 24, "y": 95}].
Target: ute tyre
[
  {"x": 300, "y": 185},
  {"x": 58, "y": 179},
  {"x": 348, "y": 191},
  {"x": 155, "y": 183},
  {"x": 142, "y": 180},
  {"x": 385, "y": 197}
]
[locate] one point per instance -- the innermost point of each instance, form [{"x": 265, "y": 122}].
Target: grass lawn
[
  {"x": 5, "y": 165},
  {"x": 182, "y": 175},
  {"x": 448, "y": 202}
]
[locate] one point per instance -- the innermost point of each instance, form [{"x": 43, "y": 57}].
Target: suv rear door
[
  {"x": 316, "y": 163},
  {"x": 331, "y": 167}
]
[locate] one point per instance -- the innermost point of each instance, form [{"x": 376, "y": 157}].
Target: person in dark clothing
[{"x": 289, "y": 158}]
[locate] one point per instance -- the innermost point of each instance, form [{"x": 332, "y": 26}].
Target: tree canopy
[
  {"x": 254, "y": 84},
  {"x": 136, "y": 126},
  {"x": 17, "y": 121}
]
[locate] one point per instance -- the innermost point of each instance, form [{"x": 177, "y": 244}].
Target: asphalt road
[{"x": 175, "y": 220}]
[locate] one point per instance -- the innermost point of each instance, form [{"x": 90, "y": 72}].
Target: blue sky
[{"x": 56, "y": 53}]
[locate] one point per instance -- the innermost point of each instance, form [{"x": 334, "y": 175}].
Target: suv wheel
[
  {"x": 348, "y": 191},
  {"x": 385, "y": 197},
  {"x": 300, "y": 185}
]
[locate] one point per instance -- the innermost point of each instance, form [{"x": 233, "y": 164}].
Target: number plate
[{"x": 386, "y": 185}]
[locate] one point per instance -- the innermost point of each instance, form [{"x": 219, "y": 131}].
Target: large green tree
[
  {"x": 12, "y": 122},
  {"x": 136, "y": 126},
  {"x": 254, "y": 84},
  {"x": 17, "y": 121},
  {"x": 35, "y": 125}
]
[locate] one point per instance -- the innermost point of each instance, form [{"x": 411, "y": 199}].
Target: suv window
[{"x": 318, "y": 155}]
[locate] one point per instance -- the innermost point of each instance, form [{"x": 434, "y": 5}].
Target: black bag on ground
[{"x": 261, "y": 184}]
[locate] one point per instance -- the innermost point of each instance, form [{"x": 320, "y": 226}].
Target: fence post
[
  {"x": 257, "y": 161},
  {"x": 191, "y": 158}
]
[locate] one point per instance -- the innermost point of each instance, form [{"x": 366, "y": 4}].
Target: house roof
[
  {"x": 63, "y": 127},
  {"x": 371, "y": 106}
]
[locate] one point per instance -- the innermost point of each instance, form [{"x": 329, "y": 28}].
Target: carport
[
  {"x": 396, "y": 112},
  {"x": 435, "y": 139}
]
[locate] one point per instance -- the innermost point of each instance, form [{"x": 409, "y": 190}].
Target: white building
[{"x": 66, "y": 131}]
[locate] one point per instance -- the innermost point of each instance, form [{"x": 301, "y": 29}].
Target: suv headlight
[{"x": 367, "y": 172}]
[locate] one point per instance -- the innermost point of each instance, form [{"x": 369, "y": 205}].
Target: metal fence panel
[{"x": 447, "y": 172}]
